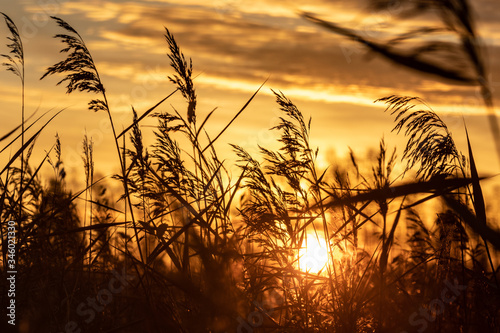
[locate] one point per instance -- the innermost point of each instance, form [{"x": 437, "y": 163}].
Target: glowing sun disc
[{"x": 313, "y": 257}]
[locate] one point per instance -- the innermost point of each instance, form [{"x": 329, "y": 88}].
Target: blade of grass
[
  {"x": 478, "y": 201},
  {"x": 234, "y": 118},
  {"x": 21, "y": 125},
  {"x": 409, "y": 61},
  {"x": 203, "y": 123},
  {"x": 27, "y": 128},
  {"x": 487, "y": 233},
  {"x": 441, "y": 186},
  {"x": 386, "y": 247},
  {"x": 145, "y": 114},
  {"x": 97, "y": 203},
  {"x": 86, "y": 228},
  {"x": 27, "y": 143}
]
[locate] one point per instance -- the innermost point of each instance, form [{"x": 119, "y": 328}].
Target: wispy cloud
[
  {"x": 249, "y": 43},
  {"x": 236, "y": 46}
]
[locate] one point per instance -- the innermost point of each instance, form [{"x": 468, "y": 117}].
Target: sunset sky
[{"x": 235, "y": 46}]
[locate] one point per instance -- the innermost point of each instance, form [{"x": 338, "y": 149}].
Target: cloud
[
  {"x": 246, "y": 44},
  {"x": 235, "y": 47}
]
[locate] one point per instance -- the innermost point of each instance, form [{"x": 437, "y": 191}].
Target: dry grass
[{"x": 213, "y": 253}]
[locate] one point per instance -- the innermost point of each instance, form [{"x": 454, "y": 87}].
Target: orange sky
[{"x": 235, "y": 47}]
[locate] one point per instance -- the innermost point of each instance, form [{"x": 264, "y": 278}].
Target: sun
[{"x": 313, "y": 257}]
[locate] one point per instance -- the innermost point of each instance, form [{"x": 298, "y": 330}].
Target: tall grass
[{"x": 208, "y": 251}]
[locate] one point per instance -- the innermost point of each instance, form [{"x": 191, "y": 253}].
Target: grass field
[{"x": 275, "y": 244}]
